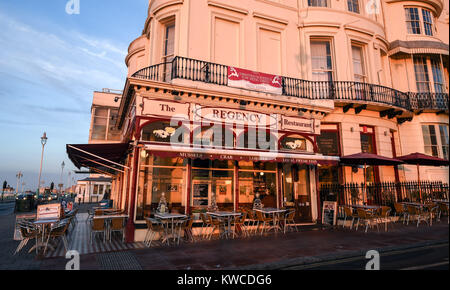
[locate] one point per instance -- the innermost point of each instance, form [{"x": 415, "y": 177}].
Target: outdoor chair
[
  {"x": 400, "y": 211},
  {"x": 98, "y": 226},
  {"x": 384, "y": 214},
  {"x": 252, "y": 221},
  {"x": 154, "y": 227},
  {"x": 28, "y": 232},
  {"x": 289, "y": 221},
  {"x": 264, "y": 220},
  {"x": 187, "y": 229},
  {"x": 348, "y": 213},
  {"x": 431, "y": 212},
  {"x": 59, "y": 231},
  {"x": 443, "y": 209},
  {"x": 367, "y": 217},
  {"x": 118, "y": 226},
  {"x": 417, "y": 213},
  {"x": 205, "y": 224},
  {"x": 180, "y": 225},
  {"x": 239, "y": 222},
  {"x": 215, "y": 224}
]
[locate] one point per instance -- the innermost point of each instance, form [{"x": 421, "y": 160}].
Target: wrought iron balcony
[
  {"x": 345, "y": 91},
  {"x": 429, "y": 101}
]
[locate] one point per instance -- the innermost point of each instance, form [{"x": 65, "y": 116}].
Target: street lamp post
[
  {"x": 43, "y": 142},
  {"x": 61, "y": 184},
  {"x": 19, "y": 176}
]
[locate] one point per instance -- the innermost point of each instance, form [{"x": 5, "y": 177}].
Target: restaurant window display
[
  {"x": 212, "y": 179},
  {"x": 157, "y": 176},
  {"x": 257, "y": 178},
  {"x": 295, "y": 143},
  {"x": 165, "y": 132}
]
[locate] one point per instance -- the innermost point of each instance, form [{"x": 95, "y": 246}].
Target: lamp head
[{"x": 44, "y": 139}]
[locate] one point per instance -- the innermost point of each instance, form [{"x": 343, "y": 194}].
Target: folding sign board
[{"x": 49, "y": 211}]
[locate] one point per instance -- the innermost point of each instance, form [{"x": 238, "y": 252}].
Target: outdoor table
[
  {"x": 42, "y": 224},
  {"x": 169, "y": 216},
  {"x": 274, "y": 212},
  {"x": 108, "y": 219},
  {"x": 228, "y": 215}
]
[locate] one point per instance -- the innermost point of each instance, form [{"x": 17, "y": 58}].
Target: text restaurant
[{"x": 199, "y": 151}]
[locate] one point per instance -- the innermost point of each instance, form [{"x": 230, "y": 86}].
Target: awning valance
[
  {"x": 103, "y": 158},
  {"x": 240, "y": 155}
]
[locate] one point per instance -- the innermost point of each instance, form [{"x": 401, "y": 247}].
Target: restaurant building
[{"x": 230, "y": 100}]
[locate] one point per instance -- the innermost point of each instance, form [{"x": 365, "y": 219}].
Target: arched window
[
  {"x": 217, "y": 136},
  {"x": 163, "y": 132},
  {"x": 296, "y": 143}
]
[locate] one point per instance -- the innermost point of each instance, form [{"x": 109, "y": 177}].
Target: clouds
[{"x": 47, "y": 78}]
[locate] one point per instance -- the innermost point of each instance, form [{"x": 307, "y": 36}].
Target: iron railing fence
[
  {"x": 383, "y": 193},
  {"x": 213, "y": 73}
]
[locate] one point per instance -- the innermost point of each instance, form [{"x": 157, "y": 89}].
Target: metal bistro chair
[
  {"x": 118, "y": 225},
  {"x": 154, "y": 228},
  {"x": 252, "y": 221},
  {"x": 98, "y": 226},
  {"x": 289, "y": 220},
  {"x": 205, "y": 224},
  {"x": 383, "y": 214},
  {"x": 28, "y": 232},
  {"x": 365, "y": 216},
  {"x": 215, "y": 224},
  {"x": 59, "y": 231},
  {"x": 239, "y": 222},
  {"x": 443, "y": 209},
  {"x": 401, "y": 211},
  {"x": 264, "y": 220},
  {"x": 187, "y": 228},
  {"x": 348, "y": 213}
]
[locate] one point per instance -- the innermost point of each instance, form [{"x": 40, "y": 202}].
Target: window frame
[
  {"x": 364, "y": 69},
  {"x": 328, "y": 40},
  {"x": 315, "y": 3},
  {"x": 352, "y": 4},
  {"x": 425, "y": 26}
]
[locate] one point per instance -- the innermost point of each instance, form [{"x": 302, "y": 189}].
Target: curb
[{"x": 310, "y": 260}]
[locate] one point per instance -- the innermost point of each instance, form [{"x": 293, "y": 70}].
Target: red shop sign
[{"x": 247, "y": 79}]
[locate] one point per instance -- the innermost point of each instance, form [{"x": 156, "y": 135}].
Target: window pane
[
  {"x": 321, "y": 60},
  {"x": 358, "y": 64},
  {"x": 444, "y": 140},
  {"x": 353, "y": 5},
  {"x": 412, "y": 20},
  {"x": 421, "y": 73},
  {"x": 317, "y": 3},
  {"x": 437, "y": 76},
  {"x": 427, "y": 22}
]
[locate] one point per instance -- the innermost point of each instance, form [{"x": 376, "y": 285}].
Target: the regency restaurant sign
[{"x": 198, "y": 113}]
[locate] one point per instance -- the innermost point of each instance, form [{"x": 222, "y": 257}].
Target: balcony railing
[
  {"x": 430, "y": 101},
  {"x": 207, "y": 72}
]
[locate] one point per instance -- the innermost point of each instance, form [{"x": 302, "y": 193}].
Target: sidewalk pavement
[{"x": 273, "y": 251}]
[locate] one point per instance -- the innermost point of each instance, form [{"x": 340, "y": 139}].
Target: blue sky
[{"x": 50, "y": 64}]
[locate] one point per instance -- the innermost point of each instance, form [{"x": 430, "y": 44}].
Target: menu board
[
  {"x": 329, "y": 213},
  {"x": 201, "y": 193},
  {"x": 49, "y": 211},
  {"x": 328, "y": 143}
]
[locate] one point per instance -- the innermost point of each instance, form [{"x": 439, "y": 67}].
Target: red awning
[
  {"x": 422, "y": 159},
  {"x": 369, "y": 159},
  {"x": 104, "y": 158}
]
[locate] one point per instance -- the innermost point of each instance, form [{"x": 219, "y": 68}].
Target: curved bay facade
[{"x": 310, "y": 80}]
